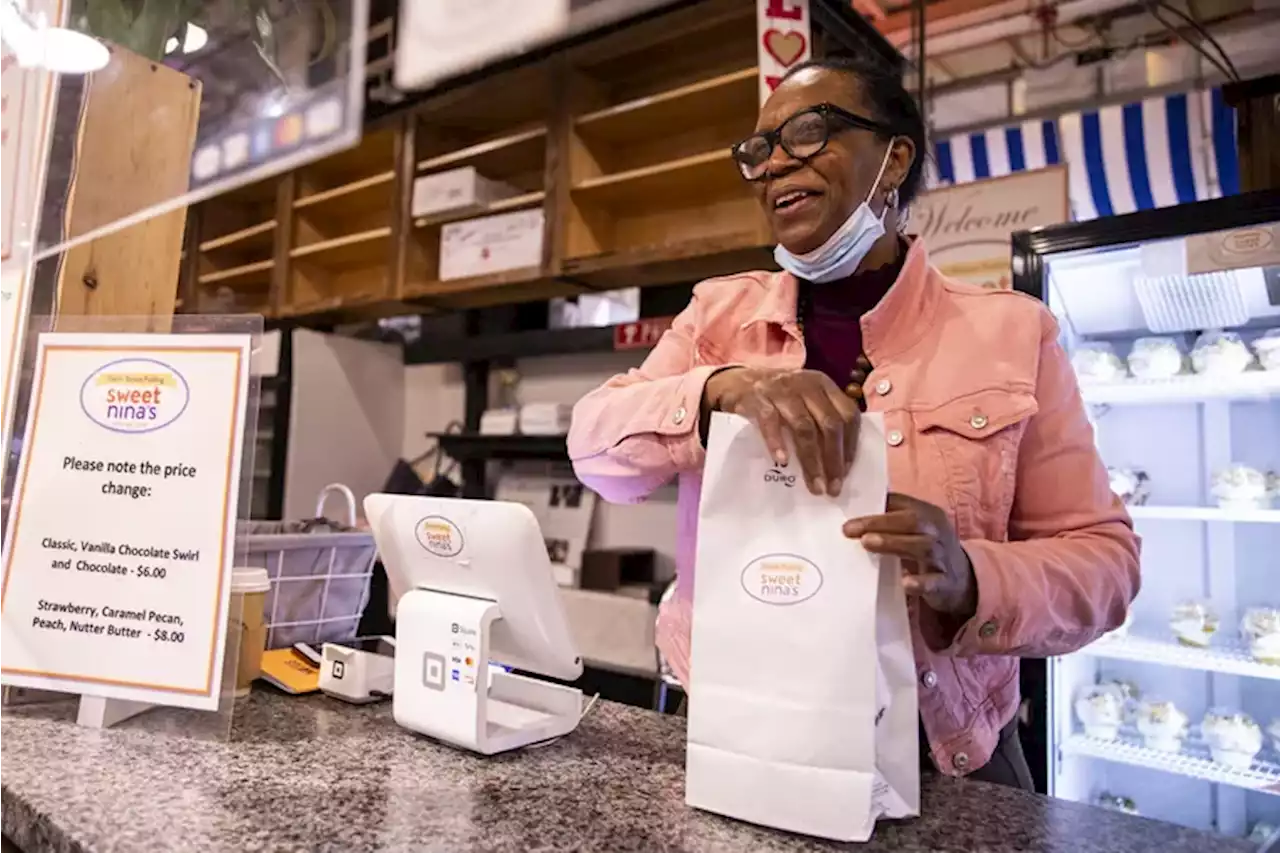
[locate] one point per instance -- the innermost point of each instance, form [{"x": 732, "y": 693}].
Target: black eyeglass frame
[{"x": 829, "y": 112}]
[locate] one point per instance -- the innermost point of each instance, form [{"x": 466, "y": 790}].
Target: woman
[{"x": 1011, "y": 541}]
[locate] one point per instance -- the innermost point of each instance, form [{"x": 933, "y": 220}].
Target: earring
[{"x": 891, "y": 200}]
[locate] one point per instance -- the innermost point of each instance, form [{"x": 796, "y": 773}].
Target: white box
[
  {"x": 491, "y": 244},
  {"x": 499, "y": 421},
  {"x": 457, "y": 189},
  {"x": 545, "y": 418}
]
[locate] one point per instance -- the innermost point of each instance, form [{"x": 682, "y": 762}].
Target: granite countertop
[{"x": 312, "y": 773}]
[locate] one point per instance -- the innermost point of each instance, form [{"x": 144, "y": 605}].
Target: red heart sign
[{"x": 785, "y": 47}]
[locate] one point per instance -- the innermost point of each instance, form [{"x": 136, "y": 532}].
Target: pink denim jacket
[{"x": 984, "y": 419}]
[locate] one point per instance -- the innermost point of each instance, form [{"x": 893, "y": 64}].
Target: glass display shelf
[
  {"x": 1227, "y": 657},
  {"x": 1242, "y": 515},
  {"x": 1191, "y": 388},
  {"x": 1193, "y": 760}
]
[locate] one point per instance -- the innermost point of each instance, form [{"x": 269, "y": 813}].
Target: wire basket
[{"x": 319, "y": 570}]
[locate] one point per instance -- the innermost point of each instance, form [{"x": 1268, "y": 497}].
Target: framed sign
[
  {"x": 967, "y": 228},
  {"x": 784, "y": 39},
  {"x": 117, "y": 568}
]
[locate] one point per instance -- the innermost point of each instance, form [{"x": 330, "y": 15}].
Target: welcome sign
[
  {"x": 967, "y": 228},
  {"x": 121, "y": 536}
]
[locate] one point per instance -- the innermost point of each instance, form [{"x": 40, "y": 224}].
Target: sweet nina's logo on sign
[
  {"x": 781, "y": 579},
  {"x": 135, "y": 395},
  {"x": 439, "y": 536}
]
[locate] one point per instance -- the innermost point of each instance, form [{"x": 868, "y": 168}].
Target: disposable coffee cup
[{"x": 249, "y": 588}]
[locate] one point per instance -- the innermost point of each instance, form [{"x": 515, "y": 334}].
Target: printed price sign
[
  {"x": 118, "y": 568},
  {"x": 642, "y": 334},
  {"x": 783, "y": 40}
]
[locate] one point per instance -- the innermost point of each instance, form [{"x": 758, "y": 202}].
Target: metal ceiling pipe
[{"x": 1021, "y": 24}]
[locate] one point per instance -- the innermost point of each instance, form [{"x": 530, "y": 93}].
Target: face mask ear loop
[{"x": 875, "y": 185}]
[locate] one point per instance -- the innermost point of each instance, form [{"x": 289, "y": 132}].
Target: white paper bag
[{"x": 802, "y": 705}]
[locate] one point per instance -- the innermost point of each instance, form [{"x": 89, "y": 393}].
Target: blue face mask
[{"x": 844, "y": 250}]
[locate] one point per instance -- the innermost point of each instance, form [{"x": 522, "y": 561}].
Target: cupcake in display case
[
  {"x": 1194, "y": 623},
  {"x": 1242, "y": 487},
  {"x": 1262, "y": 832},
  {"x": 1100, "y": 708},
  {"x": 1234, "y": 739},
  {"x": 1156, "y": 358},
  {"x": 1117, "y": 803},
  {"x": 1096, "y": 361},
  {"x": 1260, "y": 628},
  {"x": 1267, "y": 348},
  {"x": 1162, "y": 726},
  {"x": 1130, "y": 697},
  {"x": 1219, "y": 353},
  {"x": 1131, "y": 484}
]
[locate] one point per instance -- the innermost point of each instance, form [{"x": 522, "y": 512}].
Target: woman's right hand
[{"x": 822, "y": 419}]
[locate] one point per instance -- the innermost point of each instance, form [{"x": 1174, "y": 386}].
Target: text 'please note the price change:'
[{"x": 121, "y": 536}]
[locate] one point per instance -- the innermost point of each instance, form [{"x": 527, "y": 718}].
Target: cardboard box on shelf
[
  {"x": 457, "y": 189},
  {"x": 491, "y": 244}
]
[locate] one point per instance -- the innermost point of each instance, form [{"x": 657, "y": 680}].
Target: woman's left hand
[{"x": 935, "y": 566}]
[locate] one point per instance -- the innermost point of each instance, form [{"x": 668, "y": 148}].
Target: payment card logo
[{"x": 134, "y": 395}]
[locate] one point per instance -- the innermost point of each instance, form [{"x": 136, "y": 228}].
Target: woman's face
[{"x": 835, "y": 180}]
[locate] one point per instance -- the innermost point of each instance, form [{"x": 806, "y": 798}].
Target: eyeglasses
[{"x": 802, "y": 136}]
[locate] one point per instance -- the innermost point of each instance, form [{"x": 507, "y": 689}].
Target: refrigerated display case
[{"x": 1168, "y": 316}]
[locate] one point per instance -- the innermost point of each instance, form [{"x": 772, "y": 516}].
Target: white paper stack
[{"x": 545, "y": 418}]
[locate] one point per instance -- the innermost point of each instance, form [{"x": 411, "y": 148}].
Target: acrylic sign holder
[{"x": 97, "y": 711}]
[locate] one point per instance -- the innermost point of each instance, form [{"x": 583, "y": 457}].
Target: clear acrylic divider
[
  {"x": 88, "y": 706},
  {"x": 190, "y": 100}
]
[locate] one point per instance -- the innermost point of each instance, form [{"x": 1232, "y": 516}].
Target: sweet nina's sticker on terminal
[
  {"x": 440, "y": 536},
  {"x": 134, "y": 395},
  {"x": 781, "y": 579}
]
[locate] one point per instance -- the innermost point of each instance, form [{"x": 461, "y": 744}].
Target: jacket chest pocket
[{"x": 974, "y": 440}]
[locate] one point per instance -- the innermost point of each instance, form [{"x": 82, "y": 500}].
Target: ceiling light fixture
[{"x": 195, "y": 38}]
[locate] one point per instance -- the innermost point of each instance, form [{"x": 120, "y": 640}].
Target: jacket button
[
  {"x": 988, "y": 629},
  {"x": 978, "y": 421},
  {"x": 930, "y": 679},
  {"x": 884, "y": 386},
  {"x": 961, "y": 760},
  {"x": 894, "y": 438},
  {"x": 679, "y": 416}
]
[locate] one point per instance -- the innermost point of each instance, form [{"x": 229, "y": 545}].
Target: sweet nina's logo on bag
[
  {"x": 439, "y": 536},
  {"x": 777, "y": 475},
  {"x": 781, "y": 579},
  {"x": 134, "y": 395}
]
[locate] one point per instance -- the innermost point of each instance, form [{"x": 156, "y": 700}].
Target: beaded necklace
[{"x": 862, "y": 366}]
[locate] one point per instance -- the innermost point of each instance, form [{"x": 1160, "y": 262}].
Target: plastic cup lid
[{"x": 250, "y": 579}]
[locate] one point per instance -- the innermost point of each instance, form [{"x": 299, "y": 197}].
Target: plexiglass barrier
[{"x": 188, "y": 100}]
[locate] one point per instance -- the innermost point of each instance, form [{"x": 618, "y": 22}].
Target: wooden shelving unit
[
  {"x": 622, "y": 141},
  {"x": 235, "y": 253}
]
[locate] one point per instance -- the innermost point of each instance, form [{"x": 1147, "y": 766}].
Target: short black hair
[{"x": 891, "y": 103}]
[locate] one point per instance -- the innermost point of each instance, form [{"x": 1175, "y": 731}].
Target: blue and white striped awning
[{"x": 1153, "y": 153}]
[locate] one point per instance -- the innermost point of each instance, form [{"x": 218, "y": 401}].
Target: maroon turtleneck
[{"x": 832, "y": 315}]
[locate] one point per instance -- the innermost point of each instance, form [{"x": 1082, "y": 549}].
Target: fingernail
[
  {"x": 834, "y": 488},
  {"x": 817, "y": 486},
  {"x": 780, "y": 458},
  {"x": 852, "y": 529},
  {"x": 873, "y": 540}
]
